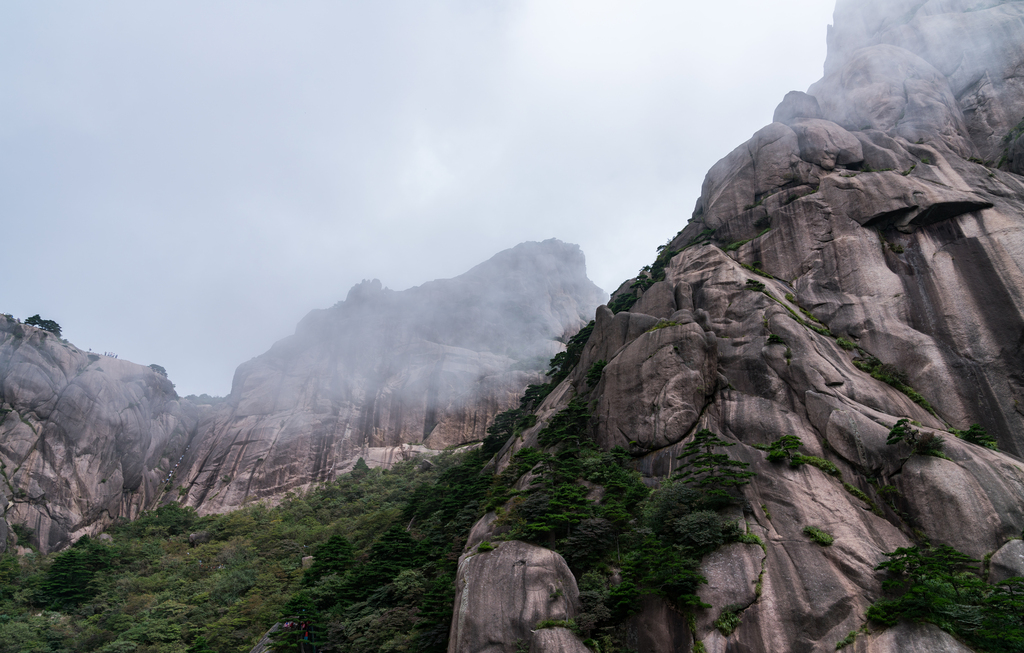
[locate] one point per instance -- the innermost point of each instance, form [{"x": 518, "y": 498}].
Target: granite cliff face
[
  {"x": 386, "y": 374},
  {"x": 875, "y": 225},
  {"x": 872, "y": 232},
  {"x": 84, "y": 438}
]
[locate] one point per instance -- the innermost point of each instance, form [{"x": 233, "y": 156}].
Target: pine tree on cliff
[
  {"x": 45, "y": 325},
  {"x": 361, "y": 469},
  {"x": 715, "y": 474}
]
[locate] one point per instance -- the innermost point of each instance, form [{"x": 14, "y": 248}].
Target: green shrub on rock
[
  {"x": 784, "y": 448},
  {"x": 925, "y": 444},
  {"x": 818, "y": 536},
  {"x": 976, "y": 434},
  {"x": 941, "y": 585},
  {"x": 893, "y": 376},
  {"x": 826, "y": 466},
  {"x": 729, "y": 619},
  {"x": 594, "y": 373}
]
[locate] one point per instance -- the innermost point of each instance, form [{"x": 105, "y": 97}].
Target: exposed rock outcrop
[
  {"x": 871, "y": 227},
  {"x": 973, "y": 44},
  {"x": 387, "y": 375},
  {"x": 903, "y": 245},
  {"x": 84, "y": 439},
  {"x": 502, "y": 595}
]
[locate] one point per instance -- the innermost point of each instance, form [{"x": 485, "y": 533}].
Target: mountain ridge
[{"x": 383, "y": 375}]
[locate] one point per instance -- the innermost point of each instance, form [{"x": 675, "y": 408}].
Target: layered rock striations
[
  {"x": 84, "y": 439},
  {"x": 874, "y": 227},
  {"x": 386, "y": 374}
]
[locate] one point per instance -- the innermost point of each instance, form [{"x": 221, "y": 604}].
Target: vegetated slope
[
  {"x": 384, "y": 374},
  {"x": 172, "y": 581},
  {"x": 856, "y": 264},
  {"x": 84, "y": 438}
]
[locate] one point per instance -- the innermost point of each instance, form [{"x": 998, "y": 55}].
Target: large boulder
[
  {"x": 1007, "y": 562},
  {"x": 502, "y": 595},
  {"x": 654, "y": 390},
  {"x": 890, "y": 89}
]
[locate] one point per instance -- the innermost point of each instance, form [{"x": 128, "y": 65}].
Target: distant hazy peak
[{"x": 364, "y": 289}]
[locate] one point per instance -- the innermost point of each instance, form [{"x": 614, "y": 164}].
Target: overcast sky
[{"x": 180, "y": 182}]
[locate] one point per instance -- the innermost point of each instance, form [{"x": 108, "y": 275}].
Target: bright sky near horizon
[{"x": 180, "y": 182}]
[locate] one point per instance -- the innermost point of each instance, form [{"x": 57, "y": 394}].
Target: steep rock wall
[
  {"x": 84, "y": 439},
  {"x": 870, "y": 220},
  {"x": 386, "y": 374}
]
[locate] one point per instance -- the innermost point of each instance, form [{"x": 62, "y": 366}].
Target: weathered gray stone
[
  {"x": 826, "y": 144},
  {"x": 974, "y": 43},
  {"x": 482, "y": 531},
  {"x": 891, "y": 89},
  {"x": 388, "y": 376},
  {"x": 893, "y": 246},
  {"x": 84, "y": 438},
  {"x": 659, "y": 300},
  {"x": 556, "y": 640},
  {"x": 892, "y": 199},
  {"x": 972, "y": 504},
  {"x": 501, "y": 595},
  {"x": 909, "y": 638},
  {"x": 795, "y": 106},
  {"x": 732, "y": 573},
  {"x": 1007, "y": 562},
  {"x": 654, "y": 390}
]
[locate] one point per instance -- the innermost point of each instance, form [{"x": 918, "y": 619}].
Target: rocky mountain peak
[
  {"x": 388, "y": 373},
  {"x": 364, "y": 290},
  {"x": 850, "y": 279},
  {"x": 85, "y": 438}
]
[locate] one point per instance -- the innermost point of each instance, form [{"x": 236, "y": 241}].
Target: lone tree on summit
[{"x": 45, "y": 325}]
